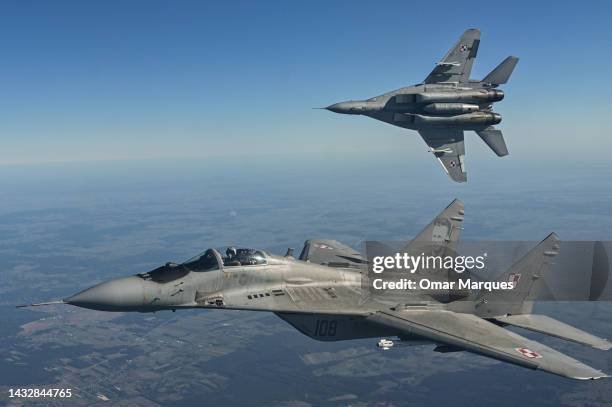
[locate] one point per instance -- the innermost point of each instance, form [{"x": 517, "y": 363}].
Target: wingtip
[
  {"x": 583, "y": 372},
  {"x": 606, "y": 345},
  {"x": 601, "y": 375},
  {"x": 586, "y": 373},
  {"x": 459, "y": 179}
]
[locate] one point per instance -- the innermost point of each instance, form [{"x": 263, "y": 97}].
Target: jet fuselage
[
  {"x": 313, "y": 298},
  {"x": 430, "y": 106}
]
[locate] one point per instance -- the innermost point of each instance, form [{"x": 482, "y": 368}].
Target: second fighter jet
[{"x": 445, "y": 105}]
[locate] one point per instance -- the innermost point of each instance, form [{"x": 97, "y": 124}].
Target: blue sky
[{"x": 144, "y": 79}]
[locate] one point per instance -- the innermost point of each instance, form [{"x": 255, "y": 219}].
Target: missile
[
  {"x": 466, "y": 121},
  {"x": 439, "y": 150},
  {"x": 463, "y": 96},
  {"x": 450, "y": 108},
  {"x": 385, "y": 344}
]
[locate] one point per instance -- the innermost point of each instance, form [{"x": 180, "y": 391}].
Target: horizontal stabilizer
[
  {"x": 495, "y": 140},
  {"x": 502, "y": 72},
  {"x": 550, "y": 326}
]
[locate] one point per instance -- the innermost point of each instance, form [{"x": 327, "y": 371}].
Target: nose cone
[
  {"x": 497, "y": 118},
  {"x": 345, "y": 108},
  {"x": 122, "y": 294},
  {"x": 337, "y": 108}
]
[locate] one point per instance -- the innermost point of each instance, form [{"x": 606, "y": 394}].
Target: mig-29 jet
[
  {"x": 320, "y": 294},
  {"x": 445, "y": 105}
]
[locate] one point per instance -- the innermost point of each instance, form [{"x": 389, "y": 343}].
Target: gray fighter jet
[
  {"x": 445, "y": 105},
  {"x": 321, "y": 295}
]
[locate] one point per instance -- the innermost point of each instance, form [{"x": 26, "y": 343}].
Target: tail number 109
[{"x": 326, "y": 328}]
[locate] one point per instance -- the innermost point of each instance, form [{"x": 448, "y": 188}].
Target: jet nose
[
  {"x": 345, "y": 107},
  {"x": 337, "y": 108},
  {"x": 121, "y": 294}
]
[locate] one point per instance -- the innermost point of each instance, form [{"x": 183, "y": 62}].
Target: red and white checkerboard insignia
[
  {"x": 463, "y": 48},
  {"x": 514, "y": 278},
  {"x": 528, "y": 353},
  {"x": 324, "y": 246},
  {"x": 452, "y": 163}
]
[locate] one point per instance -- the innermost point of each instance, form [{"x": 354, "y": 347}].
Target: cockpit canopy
[
  {"x": 230, "y": 256},
  {"x": 243, "y": 257},
  {"x": 205, "y": 261}
]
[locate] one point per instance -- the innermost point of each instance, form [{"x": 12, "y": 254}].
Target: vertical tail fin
[
  {"x": 526, "y": 274},
  {"x": 494, "y": 139},
  {"x": 443, "y": 231},
  {"x": 502, "y": 72}
]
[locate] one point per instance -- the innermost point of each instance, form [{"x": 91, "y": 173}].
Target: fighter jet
[
  {"x": 445, "y": 105},
  {"x": 321, "y": 295}
]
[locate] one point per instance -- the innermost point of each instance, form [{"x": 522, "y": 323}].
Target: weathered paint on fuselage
[
  {"x": 399, "y": 107},
  {"x": 323, "y": 302}
]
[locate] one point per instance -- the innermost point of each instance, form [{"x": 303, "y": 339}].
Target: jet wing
[
  {"x": 456, "y": 65},
  {"x": 331, "y": 253},
  {"x": 448, "y": 147},
  {"x": 550, "y": 326},
  {"x": 476, "y": 335}
]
